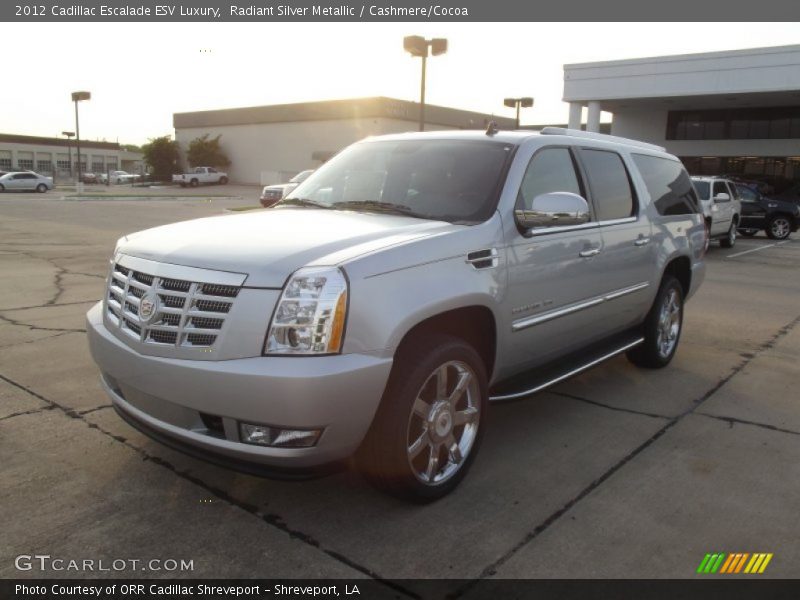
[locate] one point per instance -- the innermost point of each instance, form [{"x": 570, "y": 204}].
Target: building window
[
  {"x": 776, "y": 122},
  {"x": 25, "y": 164},
  {"x": 44, "y": 166},
  {"x": 5, "y": 164},
  {"x": 111, "y": 164},
  {"x": 776, "y": 172},
  {"x": 63, "y": 165},
  {"x": 97, "y": 167}
]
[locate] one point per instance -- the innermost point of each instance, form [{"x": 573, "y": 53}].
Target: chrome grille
[{"x": 189, "y": 313}]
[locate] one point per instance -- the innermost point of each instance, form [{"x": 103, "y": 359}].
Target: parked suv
[
  {"x": 777, "y": 218},
  {"x": 722, "y": 208},
  {"x": 381, "y": 306}
]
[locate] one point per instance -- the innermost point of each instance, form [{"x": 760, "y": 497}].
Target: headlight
[{"x": 310, "y": 315}]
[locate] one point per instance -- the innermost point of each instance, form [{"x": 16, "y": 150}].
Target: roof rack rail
[{"x": 602, "y": 137}]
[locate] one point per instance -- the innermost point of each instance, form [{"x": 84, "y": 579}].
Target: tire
[
  {"x": 422, "y": 442},
  {"x": 730, "y": 238},
  {"x": 41, "y": 188},
  {"x": 779, "y": 227},
  {"x": 2, "y": 188},
  {"x": 748, "y": 232},
  {"x": 194, "y": 183},
  {"x": 223, "y": 180},
  {"x": 662, "y": 327},
  {"x": 183, "y": 184}
]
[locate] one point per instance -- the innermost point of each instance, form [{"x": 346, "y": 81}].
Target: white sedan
[
  {"x": 119, "y": 177},
  {"x": 25, "y": 181}
]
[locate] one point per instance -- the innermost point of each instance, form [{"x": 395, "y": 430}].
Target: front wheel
[
  {"x": 779, "y": 227},
  {"x": 223, "y": 180},
  {"x": 430, "y": 422},
  {"x": 41, "y": 188},
  {"x": 730, "y": 238},
  {"x": 2, "y": 188},
  {"x": 662, "y": 327}
]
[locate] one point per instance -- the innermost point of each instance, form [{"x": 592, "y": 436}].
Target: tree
[
  {"x": 161, "y": 154},
  {"x": 206, "y": 152},
  {"x": 131, "y": 147}
]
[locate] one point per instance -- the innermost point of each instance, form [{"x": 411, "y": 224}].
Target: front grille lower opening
[{"x": 213, "y": 423}]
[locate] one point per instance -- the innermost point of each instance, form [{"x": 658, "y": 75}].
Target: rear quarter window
[{"x": 668, "y": 184}]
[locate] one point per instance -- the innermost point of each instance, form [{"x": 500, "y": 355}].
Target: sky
[{"x": 140, "y": 74}]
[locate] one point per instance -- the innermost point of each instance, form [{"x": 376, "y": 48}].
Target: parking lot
[{"x": 618, "y": 473}]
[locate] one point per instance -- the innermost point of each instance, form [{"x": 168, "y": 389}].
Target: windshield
[
  {"x": 448, "y": 180},
  {"x": 703, "y": 189}
]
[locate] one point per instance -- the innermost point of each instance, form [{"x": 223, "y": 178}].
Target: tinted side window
[
  {"x": 550, "y": 170},
  {"x": 720, "y": 188},
  {"x": 668, "y": 184},
  {"x": 746, "y": 194},
  {"x": 608, "y": 180}
]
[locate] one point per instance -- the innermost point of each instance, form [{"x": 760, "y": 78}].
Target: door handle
[
  {"x": 642, "y": 241},
  {"x": 589, "y": 253}
]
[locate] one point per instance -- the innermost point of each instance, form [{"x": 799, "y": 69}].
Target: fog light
[{"x": 262, "y": 435}]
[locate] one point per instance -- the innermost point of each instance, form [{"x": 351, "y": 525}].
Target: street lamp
[
  {"x": 77, "y": 97},
  {"x": 69, "y": 135},
  {"x": 416, "y": 45},
  {"x": 518, "y": 102}
]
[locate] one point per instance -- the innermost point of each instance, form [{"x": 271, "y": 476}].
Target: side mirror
[
  {"x": 722, "y": 197},
  {"x": 556, "y": 209}
]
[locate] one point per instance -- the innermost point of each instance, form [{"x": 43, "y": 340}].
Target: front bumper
[{"x": 167, "y": 398}]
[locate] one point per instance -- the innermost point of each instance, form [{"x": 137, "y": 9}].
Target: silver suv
[
  {"x": 722, "y": 208},
  {"x": 380, "y": 307}
]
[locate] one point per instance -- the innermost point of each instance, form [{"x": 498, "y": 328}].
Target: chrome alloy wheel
[
  {"x": 780, "y": 228},
  {"x": 444, "y": 423},
  {"x": 669, "y": 324}
]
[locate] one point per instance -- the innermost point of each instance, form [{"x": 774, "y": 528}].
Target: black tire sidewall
[
  {"x": 647, "y": 354},
  {"x": 769, "y": 228},
  {"x": 383, "y": 455}
]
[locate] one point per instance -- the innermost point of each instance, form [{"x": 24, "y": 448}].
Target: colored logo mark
[{"x": 737, "y": 562}]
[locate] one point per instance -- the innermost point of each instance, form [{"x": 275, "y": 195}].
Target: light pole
[
  {"x": 518, "y": 102},
  {"x": 68, "y": 134},
  {"x": 416, "y": 45},
  {"x": 77, "y": 97}
]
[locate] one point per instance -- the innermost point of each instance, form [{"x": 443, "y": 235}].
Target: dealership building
[
  {"x": 270, "y": 144},
  {"x": 58, "y": 157},
  {"x": 734, "y": 112}
]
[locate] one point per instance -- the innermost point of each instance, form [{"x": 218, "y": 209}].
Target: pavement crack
[
  {"x": 609, "y": 407},
  {"x": 95, "y": 409},
  {"x": 47, "y": 337},
  {"x": 492, "y": 568},
  {"x": 32, "y": 327},
  {"x": 32, "y": 411},
  {"x": 733, "y": 420},
  {"x": 270, "y": 519},
  {"x": 14, "y": 308}
]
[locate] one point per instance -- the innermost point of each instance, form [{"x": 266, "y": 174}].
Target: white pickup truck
[{"x": 200, "y": 175}]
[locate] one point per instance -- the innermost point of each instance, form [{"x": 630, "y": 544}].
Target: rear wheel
[
  {"x": 730, "y": 238},
  {"x": 662, "y": 327},
  {"x": 430, "y": 422},
  {"x": 194, "y": 183},
  {"x": 779, "y": 227}
]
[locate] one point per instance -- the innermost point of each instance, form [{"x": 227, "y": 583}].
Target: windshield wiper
[
  {"x": 387, "y": 207},
  {"x": 302, "y": 202}
]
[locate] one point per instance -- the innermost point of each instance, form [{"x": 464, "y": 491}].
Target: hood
[{"x": 268, "y": 245}]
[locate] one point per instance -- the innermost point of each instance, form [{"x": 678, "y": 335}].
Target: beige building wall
[{"x": 267, "y": 153}]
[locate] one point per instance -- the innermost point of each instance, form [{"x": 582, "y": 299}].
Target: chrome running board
[{"x": 539, "y": 386}]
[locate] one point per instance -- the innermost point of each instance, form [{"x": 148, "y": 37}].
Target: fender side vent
[{"x": 483, "y": 259}]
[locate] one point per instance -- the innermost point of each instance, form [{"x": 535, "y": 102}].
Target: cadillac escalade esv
[{"x": 378, "y": 309}]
